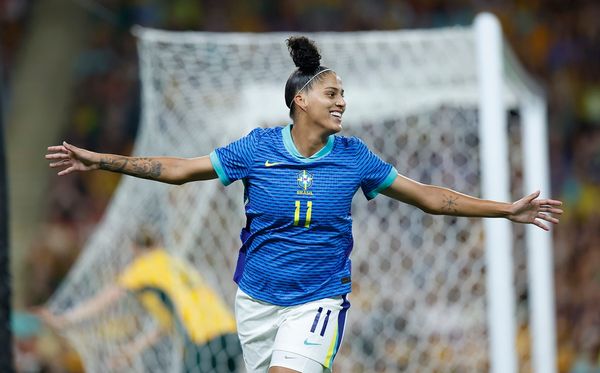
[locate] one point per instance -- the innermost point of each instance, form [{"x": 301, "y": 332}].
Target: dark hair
[
  {"x": 144, "y": 238},
  {"x": 306, "y": 57}
]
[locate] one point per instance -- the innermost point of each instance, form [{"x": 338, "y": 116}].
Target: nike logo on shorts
[{"x": 308, "y": 343}]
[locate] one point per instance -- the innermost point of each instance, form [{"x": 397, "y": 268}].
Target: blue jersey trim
[
  {"x": 216, "y": 163},
  {"x": 291, "y": 147},
  {"x": 389, "y": 179}
]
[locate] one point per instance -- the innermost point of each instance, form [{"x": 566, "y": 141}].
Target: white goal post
[
  {"x": 430, "y": 293},
  {"x": 495, "y": 60}
]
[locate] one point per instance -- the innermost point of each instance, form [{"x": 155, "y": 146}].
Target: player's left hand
[{"x": 531, "y": 210}]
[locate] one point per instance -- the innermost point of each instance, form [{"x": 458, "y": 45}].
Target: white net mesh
[{"x": 418, "y": 300}]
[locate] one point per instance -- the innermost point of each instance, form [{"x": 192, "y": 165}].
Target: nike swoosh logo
[
  {"x": 268, "y": 164},
  {"x": 306, "y": 342}
]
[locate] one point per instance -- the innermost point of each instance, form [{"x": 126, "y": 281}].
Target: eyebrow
[{"x": 334, "y": 88}]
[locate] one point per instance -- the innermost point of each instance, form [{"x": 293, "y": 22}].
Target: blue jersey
[{"x": 298, "y": 236}]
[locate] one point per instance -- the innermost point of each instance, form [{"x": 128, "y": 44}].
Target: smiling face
[{"x": 324, "y": 102}]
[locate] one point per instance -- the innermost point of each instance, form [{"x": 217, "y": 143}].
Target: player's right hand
[
  {"x": 71, "y": 158},
  {"x": 54, "y": 321}
]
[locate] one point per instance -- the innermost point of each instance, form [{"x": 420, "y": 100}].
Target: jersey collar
[{"x": 291, "y": 147}]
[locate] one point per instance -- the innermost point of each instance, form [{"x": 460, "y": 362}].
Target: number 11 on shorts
[{"x": 308, "y": 213}]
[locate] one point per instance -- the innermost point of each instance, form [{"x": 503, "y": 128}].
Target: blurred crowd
[{"x": 558, "y": 42}]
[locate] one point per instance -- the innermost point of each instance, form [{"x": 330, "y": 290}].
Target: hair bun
[{"x": 305, "y": 54}]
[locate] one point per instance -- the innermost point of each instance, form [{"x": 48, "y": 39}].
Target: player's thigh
[
  {"x": 257, "y": 328},
  {"x": 282, "y": 370},
  {"x": 313, "y": 330}
]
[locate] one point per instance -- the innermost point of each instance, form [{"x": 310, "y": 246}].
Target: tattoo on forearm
[
  {"x": 141, "y": 167},
  {"x": 449, "y": 204}
]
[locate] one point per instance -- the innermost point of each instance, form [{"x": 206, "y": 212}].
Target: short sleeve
[
  {"x": 233, "y": 162},
  {"x": 144, "y": 271},
  {"x": 376, "y": 175},
  {"x": 136, "y": 275}
]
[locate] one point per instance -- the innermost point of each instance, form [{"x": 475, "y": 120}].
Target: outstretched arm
[
  {"x": 170, "y": 170},
  {"x": 443, "y": 201},
  {"x": 85, "y": 310}
]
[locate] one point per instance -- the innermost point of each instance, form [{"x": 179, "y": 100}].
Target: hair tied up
[{"x": 305, "y": 54}]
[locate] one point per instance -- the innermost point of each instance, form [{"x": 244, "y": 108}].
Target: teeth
[{"x": 336, "y": 114}]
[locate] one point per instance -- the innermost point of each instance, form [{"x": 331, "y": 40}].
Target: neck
[{"x": 308, "y": 140}]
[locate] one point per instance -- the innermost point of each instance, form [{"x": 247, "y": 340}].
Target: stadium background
[{"x": 70, "y": 72}]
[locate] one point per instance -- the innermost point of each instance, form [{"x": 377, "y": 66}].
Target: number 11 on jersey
[{"x": 308, "y": 213}]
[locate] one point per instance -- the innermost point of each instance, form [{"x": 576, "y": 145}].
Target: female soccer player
[
  {"x": 293, "y": 270},
  {"x": 178, "y": 299}
]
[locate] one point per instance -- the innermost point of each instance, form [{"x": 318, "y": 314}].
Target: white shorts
[{"x": 312, "y": 330}]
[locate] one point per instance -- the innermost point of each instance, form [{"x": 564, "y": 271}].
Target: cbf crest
[{"x": 305, "y": 180}]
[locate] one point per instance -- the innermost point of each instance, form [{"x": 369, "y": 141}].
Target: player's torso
[
  {"x": 287, "y": 191},
  {"x": 171, "y": 289},
  {"x": 299, "y": 230}
]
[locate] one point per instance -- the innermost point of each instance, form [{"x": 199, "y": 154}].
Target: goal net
[{"x": 419, "y": 281}]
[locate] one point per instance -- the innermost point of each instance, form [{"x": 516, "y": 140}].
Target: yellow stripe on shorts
[{"x": 332, "y": 349}]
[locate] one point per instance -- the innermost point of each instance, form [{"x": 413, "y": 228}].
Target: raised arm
[
  {"x": 85, "y": 310},
  {"x": 170, "y": 170},
  {"x": 443, "y": 201}
]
